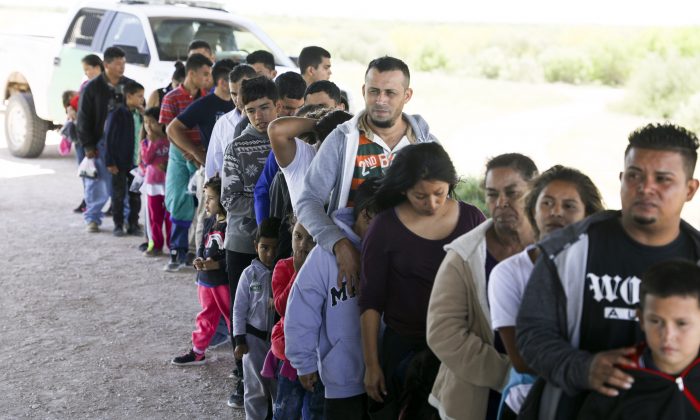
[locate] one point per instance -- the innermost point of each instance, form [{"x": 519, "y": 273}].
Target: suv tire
[{"x": 24, "y": 131}]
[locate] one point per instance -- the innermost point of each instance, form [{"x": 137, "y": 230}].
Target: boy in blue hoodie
[
  {"x": 322, "y": 321},
  {"x": 122, "y": 134},
  {"x": 253, "y": 318}
]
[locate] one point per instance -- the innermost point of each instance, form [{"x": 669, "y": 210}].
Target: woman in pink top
[{"x": 154, "y": 160}]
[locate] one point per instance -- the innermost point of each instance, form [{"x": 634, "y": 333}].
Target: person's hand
[
  {"x": 308, "y": 381},
  {"x": 200, "y": 156},
  {"x": 113, "y": 169},
  {"x": 240, "y": 350},
  {"x": 90, "y": 153},
  {"x": 605, "y": 376},
  {"x": 348, "y": 265},
  {"x": 198, "y": 263},
  {"x": 374, "y": 383}
]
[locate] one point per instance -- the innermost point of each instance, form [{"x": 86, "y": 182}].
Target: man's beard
[{"x": 383, "y": 124}]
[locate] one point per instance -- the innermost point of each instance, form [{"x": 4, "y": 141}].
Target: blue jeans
[
  {"x": 293, "y": 400},
  {"x": 97, "y": 190},
  {"x": 178, "y": 237}
]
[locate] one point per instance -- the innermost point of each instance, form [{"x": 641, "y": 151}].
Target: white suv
[{"x": 154, "y": 36}]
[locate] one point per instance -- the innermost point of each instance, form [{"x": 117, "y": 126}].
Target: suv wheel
[{"x": 24, "y": 131}]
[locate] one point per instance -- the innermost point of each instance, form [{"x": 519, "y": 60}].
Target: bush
[
  {"x": 565, "y": 65},
  {"x": 470, "y": 191},
  {"x": 431, "y": 58},
  {"x": 611, "y": 64},
  {"x": 661, "y": 85},
  {"x": 491, "y": 62}
]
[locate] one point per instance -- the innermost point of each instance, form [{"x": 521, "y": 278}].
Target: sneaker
[
  {"x": 175, "y": 264},
  {"x": 189, "y": 258},
  {"x": 81, "y": 208},
  {"x": 235, "y": 401},
  {"x": 152, "y": 253},
  {"x": 143, "y": 247},
  {"x": 189, "y": 359},
  {"x": 118, "y": 231},
  {"x": 134, "y": 230},
  {"x": 92, "y": 227}
]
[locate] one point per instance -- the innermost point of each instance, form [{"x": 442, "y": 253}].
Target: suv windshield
[{"x": 172, "y": 37}]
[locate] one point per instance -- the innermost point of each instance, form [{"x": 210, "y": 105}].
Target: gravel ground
[{"x": 89, "y": 325}]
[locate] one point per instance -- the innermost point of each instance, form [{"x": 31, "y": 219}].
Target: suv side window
[
  {"x": 126, "y": 32},
  {"x": 82, "y": 31}
]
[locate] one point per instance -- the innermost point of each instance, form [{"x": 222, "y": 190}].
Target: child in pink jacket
[{"x": 154, "y": 160}]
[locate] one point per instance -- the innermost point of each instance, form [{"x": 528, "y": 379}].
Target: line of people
[{"x": 413, "y": 305}]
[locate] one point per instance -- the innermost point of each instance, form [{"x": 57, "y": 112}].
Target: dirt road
[{"x": 87, "y": 325}]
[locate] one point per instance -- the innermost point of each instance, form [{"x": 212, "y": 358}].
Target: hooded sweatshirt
[
  {"x": 322, "y": 323},
  {"x": 252, "y": 313},
  {"x": 330, "y": 177},
  {"x": 654, "y": 394},
  {"x": 244, "y": 160}
]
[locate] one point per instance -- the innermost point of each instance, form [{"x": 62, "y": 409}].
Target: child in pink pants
[
  {"x": 154, "y": 160},
  {"x": 212, "y": 280}
]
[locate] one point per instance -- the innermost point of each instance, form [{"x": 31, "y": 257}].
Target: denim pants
[
  {"x": 178, "y": 237},
  {"x": 293, "y": 400},
  {"x": 97, "y": 190}
]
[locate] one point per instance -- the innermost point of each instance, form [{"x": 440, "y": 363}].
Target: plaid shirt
[{"x": 174, "y": 102}]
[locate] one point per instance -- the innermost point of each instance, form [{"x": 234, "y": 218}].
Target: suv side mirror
[{"x": 133, "y": 56}]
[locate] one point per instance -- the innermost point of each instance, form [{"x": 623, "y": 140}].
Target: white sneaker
[{"x": 92, "y": 227}]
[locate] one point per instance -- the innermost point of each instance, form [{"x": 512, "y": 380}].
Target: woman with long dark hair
[{"x": 416, "y": 218}]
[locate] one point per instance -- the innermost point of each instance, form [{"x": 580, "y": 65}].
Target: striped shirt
[
  {"x": 372, "y": 160},
  {"x": 174, "y": 102}
]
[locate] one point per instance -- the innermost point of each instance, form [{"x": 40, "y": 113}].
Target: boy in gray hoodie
[
  {"x": 322, "y": 321},
  {"x": 253, "y": 317},
  {"x": 244, "y": 159}
]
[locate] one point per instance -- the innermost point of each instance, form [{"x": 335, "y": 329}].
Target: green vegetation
[
  {"x": 470, "y": 190},
  {"x": 655, "y": 65}
]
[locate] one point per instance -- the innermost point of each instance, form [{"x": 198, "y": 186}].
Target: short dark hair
[
  {"x": 311, "y": 57},
  {"x": 132, "y": 87},
  {"x": 179, "y": 74},
  {"x": 227, "y": 62},
  {"x": 66, "y": 97},
  {"x": 387, "y": 63},
  {"x": 215, "y": 184},
  {"x": 331, "y": 89},
  {"x": 671, "y": 278},
  {"x": 153, "y": 112},
  {"x": 364, "y": 196},
  {"x": 93, "y": 60},
  {"x": 589, "y": 193},
  {"x": 329, "y": 122},
  {"x": 220, "y": 71},
  {"x": 290, "y": 85},
  {"x": 258, "y": 88},
  {"x": 197, "y": 44},
  {"x": 521, "y": 163},
  {"x": 667, "y": 137},
  {"x": 241, "y": 71},
  {"x": 412, "y": 164},
  {"x": 196, "y": 61},
  {"x": 261, "y": 56},
  {"x": 113, "y": 53},
  {"x": 268, "y": 228}
]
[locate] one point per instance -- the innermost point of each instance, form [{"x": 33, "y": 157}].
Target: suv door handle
[{"x": 57, "y": 61}]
